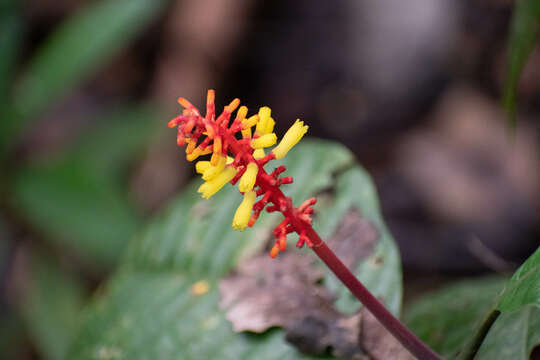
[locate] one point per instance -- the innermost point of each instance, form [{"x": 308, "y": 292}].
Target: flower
[
  {"x": 243, "y": 213},
  {"x": 217, "y": 137},
  {"x": 291, "y": 138},
  {"x": 248, "y": 179}
]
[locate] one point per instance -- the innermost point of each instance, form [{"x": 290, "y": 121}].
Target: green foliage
[
  {"x": 524, "y": 287},
  {"x": 78, "y": 200},
  {"x": 517, "y": 330},
  {"x": 80, "y": 46},
  {"x": 50, "y": 303},
  {"x": 10, "y": 34},
  {"x": 512, "y": 336},
  {"x": 522, "y": 39},
  {"x": 446, "y": 319},
  {"x": 147, "y": 310}
]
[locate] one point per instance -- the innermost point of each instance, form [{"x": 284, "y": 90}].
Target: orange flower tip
[
  {"x": 210, "y": 96},
  {"x": 172, "y": 123},
  {"x": 232, "y": 106},
  {"x": 282, "y": 244},
  {"x": 242, "y": 112},
  {"x": 252, "y": 221},
  {"x": 182, "y": 101},
  {"x": 274, "y": 251}
]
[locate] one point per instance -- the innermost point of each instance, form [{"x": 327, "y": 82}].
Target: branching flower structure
[{"x": 238, "y": 156}]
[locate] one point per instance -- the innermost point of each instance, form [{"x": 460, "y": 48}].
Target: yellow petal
[
  {"x": 243, "y": 213},
  {"x": 247, "y": 124},
  {"x": 269, "y": 126},
  {"x": 211, "y": 187},
  {"x": 214, "y": 171},
  {"x": 201, "y": 166},
  {"x": 291, "y": 138},
  {"x": 264, "y": 141},
  {"x": 258, "y": 154},
  {"x": 248, "y": 178},
  {"x": 264, "y": 117}
]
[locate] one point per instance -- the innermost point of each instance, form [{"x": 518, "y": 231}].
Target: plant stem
[{"x": 410, "y": 341}]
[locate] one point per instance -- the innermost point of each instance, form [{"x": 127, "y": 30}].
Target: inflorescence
[{"x": 241, "y": 159}]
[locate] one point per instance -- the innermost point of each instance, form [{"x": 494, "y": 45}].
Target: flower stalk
[{"x": 219, "y": 137}]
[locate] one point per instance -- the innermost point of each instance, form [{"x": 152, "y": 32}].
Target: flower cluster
[{"x": 238, "y": 156}]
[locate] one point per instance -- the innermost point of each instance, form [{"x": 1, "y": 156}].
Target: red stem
[
  {"x": 410, "y": 341},
  {"x": 392, "y": 324}
]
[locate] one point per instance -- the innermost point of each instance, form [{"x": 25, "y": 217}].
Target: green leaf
[
  {"x": 123, "y": 132},
  {"x": 524, "y": 286},
  {"x": 517, "y": 330},
  {"x": 148, "y": 310},
  {"x": 523, "y": 37},
  {"x": 79, "y": 47},
  {"x": 79, "y": 200},
  {"x": 10, "y": 42},
  {"x": 513, "y": 335},
  {"x": 50, "y": 305},
  {"x": 447, "y": 318},
  {"x": 12, "y": 335},
  {"x": 75, "y": 208},
  {"x": 381, "y": 270},
  {"x": 517, "y": 308}
]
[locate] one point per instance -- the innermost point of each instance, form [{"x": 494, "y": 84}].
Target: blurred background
[{"x": 412, "y": 88}]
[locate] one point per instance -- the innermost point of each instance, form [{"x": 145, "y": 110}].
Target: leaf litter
[{"x": 263, "y": 293}]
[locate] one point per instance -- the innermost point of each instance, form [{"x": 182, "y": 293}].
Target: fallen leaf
[
  {"x": 354, "y": 239},
  {"x": 378, "y": 342},
  {"x": 265, "y": 293}
]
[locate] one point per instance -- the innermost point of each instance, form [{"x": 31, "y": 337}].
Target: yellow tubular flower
[
  {"x": 248, "y": 179},
  {"x": 211, "y": 187},
  {"x": 241, "y": 113},
  {"x": 258, "y": 154},
  {"x": 214, "y": 171},
  {"x": 196, "y": 153},
  {"x": 291, "y": 138},
  {"x": 247, "y": 124},
  {"x": 191, "y": 146},
  {"x": 264, "y": 141},
  {"x": 201, "y": 166},
  {"x": 251, "y": 121},
  {"x": 264, "y": 117},
  {"x": 246, "y": 133},
  {"x": 243, "y": 213},
  {"x": 269, "y": 126}
]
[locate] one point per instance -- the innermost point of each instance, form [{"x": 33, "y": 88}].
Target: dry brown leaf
[
  {"x": 286, "y": 292},
  {"x": 354, "y": 238},
  {"x": 378, "y": 342}
]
